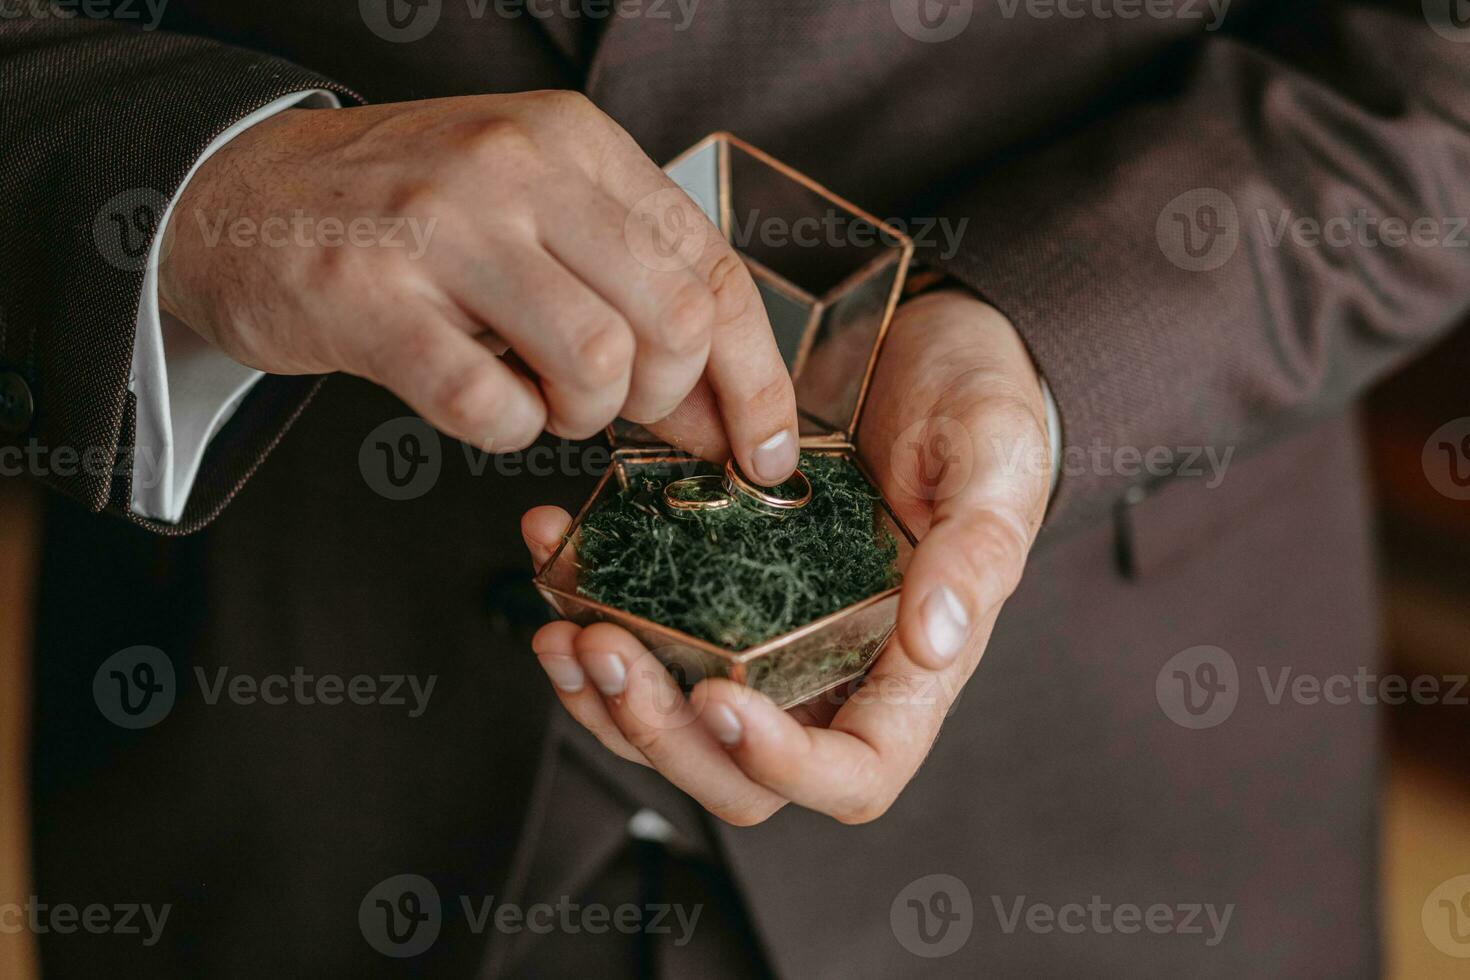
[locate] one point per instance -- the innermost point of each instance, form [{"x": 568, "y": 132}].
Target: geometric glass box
[{"x": 830, "y": 276}]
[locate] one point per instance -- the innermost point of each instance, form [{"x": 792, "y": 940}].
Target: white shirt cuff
[{"x": 186, "y": 389}]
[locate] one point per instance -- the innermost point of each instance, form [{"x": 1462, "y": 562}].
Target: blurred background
[{"x": 1424, "y": 544}]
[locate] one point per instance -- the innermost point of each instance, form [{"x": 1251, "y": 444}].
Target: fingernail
[
  {"x": 564, "y": 672},
  {"x": 608, "y": 673},
  {"x": 723, "y": 723},
  {"x": 774, "y": 459},
  {"x": 946, "y": 624}
]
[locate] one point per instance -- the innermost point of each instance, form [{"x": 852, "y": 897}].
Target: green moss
[{"x": 737, "y": 577}]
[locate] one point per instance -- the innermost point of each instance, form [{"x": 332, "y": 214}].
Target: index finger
[{"x": 751, "y": 387}]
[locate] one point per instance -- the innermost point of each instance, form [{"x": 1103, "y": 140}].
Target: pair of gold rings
[{"x": 712, "y": 493}]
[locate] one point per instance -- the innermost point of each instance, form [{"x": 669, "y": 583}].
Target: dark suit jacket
[{"x": 1065, "y": 144}]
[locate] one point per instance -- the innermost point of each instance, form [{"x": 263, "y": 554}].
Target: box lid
[{"x": 830, "y": 275}]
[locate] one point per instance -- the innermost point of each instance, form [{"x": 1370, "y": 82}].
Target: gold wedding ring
[
  {"x": 686, "y": 508},
  {"x": 760, "y": 498}
]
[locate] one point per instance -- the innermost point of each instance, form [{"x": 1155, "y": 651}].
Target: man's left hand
[{"x": 955, "y": 433}]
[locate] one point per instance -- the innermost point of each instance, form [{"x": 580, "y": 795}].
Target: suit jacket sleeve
[
  {"x": 99, "y": 125},
  {"x": 1152, "y": 260}
]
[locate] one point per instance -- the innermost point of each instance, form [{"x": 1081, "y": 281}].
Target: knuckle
[
  {"x": 731, "y": 285},
  {"x": 687, "y": 318},
  {"x": 857, "y": 812},
  {"x": 512, "y": 440},
  {"x": 868, "y": 797},
  {"x": 603, "y": 350},
  {"x": 418, "y": 198},
  {"x": 384, "y": 361},
  {"x": 994, "y": 550},
  {"x": 1012, "y": 412},
  {"x": 773, "y": 393},
  {"x": 469, "y": 401},
  {"x": 645, "y": 740},
  {"x": 346, "y": 271},
  {"x": 570, "y": 102},
  {"x": 744, "y": 813},
  {"x": 496, "y": 139},
  {"x": 333, "y": 270}
]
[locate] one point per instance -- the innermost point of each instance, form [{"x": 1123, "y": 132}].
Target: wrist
[{"x": 197, "y": 229}]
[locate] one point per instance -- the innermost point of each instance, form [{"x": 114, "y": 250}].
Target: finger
[
  {"x": 543, "y": 528},
  {"x": 656, "y": 719},
  {"x": 695, "y": 425},
  {"x": 554, "y": 645},
  {"x": 852, "y": 770},
  {"x": 972, "y": 556},
  {"x": 457, "y": 385},
  {"x": 670, "y": 310},
  {"x": 749, "y": 380},
  {"x": 579, "y": 346},
  {"x": 965, "y": 567}
]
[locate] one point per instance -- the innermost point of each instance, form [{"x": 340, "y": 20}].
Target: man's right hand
[{"x": 547, "y": 229}]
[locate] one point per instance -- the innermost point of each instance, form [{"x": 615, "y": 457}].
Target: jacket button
[{"x": 16, "y": 405}]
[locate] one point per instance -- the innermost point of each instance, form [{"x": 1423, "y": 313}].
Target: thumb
[{"x": 971, "y": 558}]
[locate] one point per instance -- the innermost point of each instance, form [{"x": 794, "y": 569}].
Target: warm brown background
[{"x": 1424, "y": 540}]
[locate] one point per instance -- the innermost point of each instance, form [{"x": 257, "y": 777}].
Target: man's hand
[
  {"x": 955, "y": 432},
  {"x": 548, "y": 230}
]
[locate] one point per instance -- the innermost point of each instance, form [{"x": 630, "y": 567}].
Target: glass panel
[
  {"x": 839, "y": 358},
  {"x": 826, "y": 275}
]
